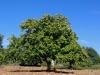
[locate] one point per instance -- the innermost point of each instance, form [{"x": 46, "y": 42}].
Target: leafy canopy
[
  {"x": 48, "y": 38},
  {"x": 93, "y": 55}
]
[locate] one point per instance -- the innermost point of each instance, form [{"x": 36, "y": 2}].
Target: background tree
[
  {"x": 75, "y": 56},
  {"x": 1, "y": 39},
  {"x": 12, "y": 53},
  {"x": 1, "y": 48},
  {"x": 93, "y": 55},
  {"x": 49, "y": 38},
  {"x": 16, "y": 52}
]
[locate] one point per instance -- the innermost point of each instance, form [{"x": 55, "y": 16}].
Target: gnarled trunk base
[{"x": 48, "y": 66}]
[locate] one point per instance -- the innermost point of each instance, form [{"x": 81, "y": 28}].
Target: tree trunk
[
  {"x": 48, "y": 66},
  {"x": 70, "y": 65}
]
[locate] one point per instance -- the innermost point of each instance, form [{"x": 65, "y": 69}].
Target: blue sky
[{"x": 84, "y": 16}]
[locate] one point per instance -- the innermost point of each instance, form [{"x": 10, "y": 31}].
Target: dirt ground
[{"x": 18, "y": 70}]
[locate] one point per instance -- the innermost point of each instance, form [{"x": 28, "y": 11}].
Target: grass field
[{"x": 95, "y": 67}]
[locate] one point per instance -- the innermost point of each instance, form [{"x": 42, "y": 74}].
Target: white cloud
[
  {"x": 84, "y": 41},
  {"x": 5, "y": 42}
]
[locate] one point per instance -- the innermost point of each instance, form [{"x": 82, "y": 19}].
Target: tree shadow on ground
[{"x": 55, "y": 71}]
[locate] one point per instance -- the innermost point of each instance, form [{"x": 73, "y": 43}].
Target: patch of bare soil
[{"x": 19, "y": 70}]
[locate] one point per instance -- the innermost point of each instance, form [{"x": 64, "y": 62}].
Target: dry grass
[{"x": 18, "y": 70}]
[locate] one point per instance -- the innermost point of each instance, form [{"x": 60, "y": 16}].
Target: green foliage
[
  {"x": 95, "y": 67},
  {"x": 46, "y": 39},
  {"x": 18, "y": 53},
  {"x": 1, "y": 39},
  {"x": 1, "y": 57},
  {"x": 74, "y": 55},
  {"x": 14, "y": 48},
  {"x": 93, "y": 55},
  {"x": 1, "y": 49}
]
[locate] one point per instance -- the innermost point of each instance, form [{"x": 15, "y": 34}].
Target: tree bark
[{"x": 48, "y": 66}]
